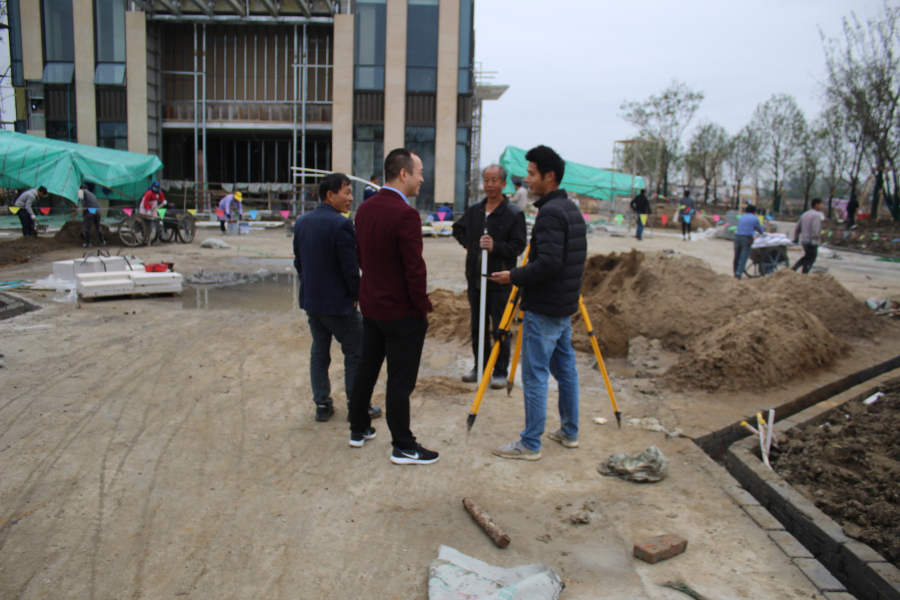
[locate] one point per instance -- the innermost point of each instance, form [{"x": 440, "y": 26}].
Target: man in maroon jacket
[{"x": 394, "y": 306}]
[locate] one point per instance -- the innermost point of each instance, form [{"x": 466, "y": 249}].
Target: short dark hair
[
  {"x": 547, "y": 160},
  {"x": 687, "y": 193},
  {"x": 643, "y": 191},
  {"x": 332, "y": 183},
  {"x": 397, "y": 160},
  {"x": 42, "y": 190},
  {"x": 502, "y": 171},
  {"x": 750, "y": 209},
  {"x": 375, "y": 176},
  {"x": 815, "y": 201}
]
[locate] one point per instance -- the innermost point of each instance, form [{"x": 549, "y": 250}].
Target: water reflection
[{"x": 273, "y": 291}]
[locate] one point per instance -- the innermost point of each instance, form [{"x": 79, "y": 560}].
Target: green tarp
[
  {"x": 61, "y": 167},
  {"x": 581, "y": 179}
]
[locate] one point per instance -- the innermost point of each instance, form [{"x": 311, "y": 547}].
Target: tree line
[{"x": 856, "y": 133}]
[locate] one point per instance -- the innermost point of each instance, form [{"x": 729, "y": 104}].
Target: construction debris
[
  {"x": 454, "y": 575},
  {"x": 486, "y": 523},
  {"x": 661, "y": 547},
  {"x": 647, "y": 467}
]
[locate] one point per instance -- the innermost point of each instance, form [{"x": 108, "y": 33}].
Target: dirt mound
[
  {"x": 726, "y": 329},
  {"x": 451, "y": 317},
  {"x": 22, "y": 249},
  {"x": 850, "y": 468},
  {"x": 72, "y": 234},
  {"x": 743, "y": 355}
]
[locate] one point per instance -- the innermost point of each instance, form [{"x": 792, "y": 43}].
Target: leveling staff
[{"x": 551, "y": 288}]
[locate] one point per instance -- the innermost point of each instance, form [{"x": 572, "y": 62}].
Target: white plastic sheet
[{"x": 453, "y": 575}]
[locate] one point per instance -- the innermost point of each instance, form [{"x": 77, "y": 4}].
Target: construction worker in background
[
  {"x": 520, "y": 198},
  {"x": 640, "y": 206},
  {"x": 372, "y": 189},
  {"x": 90, "y": 215},
  {"x": 227, "y": 205},
  {"x": 153, "y": 199},
  {"x": 25, "y": 200},
  {"x": 686, "y": 213}
]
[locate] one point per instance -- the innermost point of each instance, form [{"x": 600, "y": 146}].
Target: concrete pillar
[
  {"x": 32, "y": 41},
  {"x": 447, "y": 82},
  {"x": 342, "y": 107},
  {"x": 136, "y": 79},
  {"x": 86, "y": 103},
  {"x": 395, "y": 76}
]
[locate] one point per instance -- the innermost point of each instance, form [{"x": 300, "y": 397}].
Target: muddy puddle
[{"x": 261, "y": 291}]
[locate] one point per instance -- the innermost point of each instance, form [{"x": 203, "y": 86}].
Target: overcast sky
[{"x": 570, "y": 65}]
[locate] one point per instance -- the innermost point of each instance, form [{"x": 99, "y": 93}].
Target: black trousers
[
  {"x": 809, "y": 257},
  {"x": 851, "y": 218},
  {"x": 495, "y": 303},
  {"x": 401, "y": 342},
  {"x": 89, "y": 219},
  {"x": 28, "y": 227},
  {"x": 685, "y": 228}
]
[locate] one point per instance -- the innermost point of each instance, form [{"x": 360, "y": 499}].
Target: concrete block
[
  {"x": 838, "y": 596},
  {"x": 856, "y": 555},
  {"x": 742, "y": 496},
  {"x": 661, "y": 547},
  {"x": 763, "y": 518},
  {"x": 886, "y": 578},
  {"x": 819, "y": 575},
  {"x": 789, "y": 544}
]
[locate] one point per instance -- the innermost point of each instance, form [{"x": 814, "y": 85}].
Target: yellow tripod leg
[
  {"x": 593, "y": 338},
  {"x": 515, "y": 358},
  {"x": 505, "y": 324}
]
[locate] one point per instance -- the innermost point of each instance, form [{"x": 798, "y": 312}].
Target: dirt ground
[
  {"x": 151, "y": 451},
  {"x": 850, "y": 466}
]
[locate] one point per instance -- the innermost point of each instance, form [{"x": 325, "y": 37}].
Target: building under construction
[{"x": 235, "y": 92}]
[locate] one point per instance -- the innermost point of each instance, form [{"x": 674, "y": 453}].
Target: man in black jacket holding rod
[{"x": 505, "y": 241}]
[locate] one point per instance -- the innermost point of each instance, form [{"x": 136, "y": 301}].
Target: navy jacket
[
  {"x": 551, "y": 280},
  {"x": 325, "y": 259}
]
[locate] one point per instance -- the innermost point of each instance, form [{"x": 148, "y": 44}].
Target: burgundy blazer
[{"x": 389, "y": 252}]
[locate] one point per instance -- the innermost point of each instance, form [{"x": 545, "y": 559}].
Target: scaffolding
[
  {"x": 484, "y": 90},
  {"x": 638, "y": 157}
]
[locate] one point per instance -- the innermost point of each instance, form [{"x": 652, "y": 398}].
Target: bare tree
[
  {"x": 664, "y": 117},
  {"x": 809, "y": 164},
  {"x": 780, "y": 124},
  {"x": 864, "y": 80},
  {"x": 836, "y": 152},
  {"x": 706, "y": 153},
  {"x": 743, "y": 158}
]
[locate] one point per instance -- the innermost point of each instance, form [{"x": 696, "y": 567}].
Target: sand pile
[
  {"x": 732, "y": 335},
  {"x": 451, "y": 316}
]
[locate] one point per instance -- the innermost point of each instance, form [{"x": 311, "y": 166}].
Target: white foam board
[
  {"x": 144, "y": 278},
  {"x": 114, "y": 263},
  {"x": 110, "y": 287},
  {"x": 159, "y": 288},
  {"x": 105, "y": 276},
  {"x": 64, "y": 269}
]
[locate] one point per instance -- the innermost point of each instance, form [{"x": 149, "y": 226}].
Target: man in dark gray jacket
[
  {"x": 551, "y": 288},
  {"x": 90, "y": 216},
  {"x": 505, "y": 240}
]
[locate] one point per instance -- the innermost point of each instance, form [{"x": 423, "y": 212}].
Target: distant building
[{"x": 238, "y": 91}]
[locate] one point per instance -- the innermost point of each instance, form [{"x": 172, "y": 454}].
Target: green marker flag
[
  {"x": 619, "y": 219},
  {"x": 161, "y": 212}
]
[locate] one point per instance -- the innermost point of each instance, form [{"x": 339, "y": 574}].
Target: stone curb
[
  {"x": 835, "y": 563},
  {"x": 11, "y": 306}
]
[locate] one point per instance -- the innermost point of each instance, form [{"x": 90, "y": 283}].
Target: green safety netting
[
  {"x": 61, "y": 167},
  {"x": 602, "y": 184}
]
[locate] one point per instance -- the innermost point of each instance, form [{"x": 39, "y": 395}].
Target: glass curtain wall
[
  {"x": 59, "y": 31},
  {"x": 368, "y": 155},
  {"x": 462, "y": 169},
  {"x": 466, "y": 46},
  {"x": 420, "y": 140},
  {"x": 109, "y": 42},
  {"x": 422, "y": 45},
  {"x": 371, "y": 27}
]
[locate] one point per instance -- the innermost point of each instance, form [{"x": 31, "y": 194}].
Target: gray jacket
[
  {"x": 26, "y": 199},
  {"x": 809, "y": 227}
]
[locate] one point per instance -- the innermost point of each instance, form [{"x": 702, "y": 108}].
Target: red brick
[{"x": 661, "y": 547}]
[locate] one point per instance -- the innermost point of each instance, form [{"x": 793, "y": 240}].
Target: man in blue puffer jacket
[{"x": 551, "y": 288}]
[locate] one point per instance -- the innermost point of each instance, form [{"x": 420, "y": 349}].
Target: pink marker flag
[
  {"x": 441, "y": 216},
  {"x": 127, "y": 211},
  {"x": 45, "y": 210},
  {"x": 715, "y": 218},
  {"x": 285, "y": 213},
  {"x": 220, "y": 212},
  {"x": 663, "y": 219},
  {"x": 586, "y": 216}
]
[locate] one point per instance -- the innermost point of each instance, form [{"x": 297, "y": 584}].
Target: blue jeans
[
  {"x": 347, "y": 330},
  {"x": 742, "y": 245},
  {"x": 640, "y": 227},
  {"x": 547, "y": 350}
]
